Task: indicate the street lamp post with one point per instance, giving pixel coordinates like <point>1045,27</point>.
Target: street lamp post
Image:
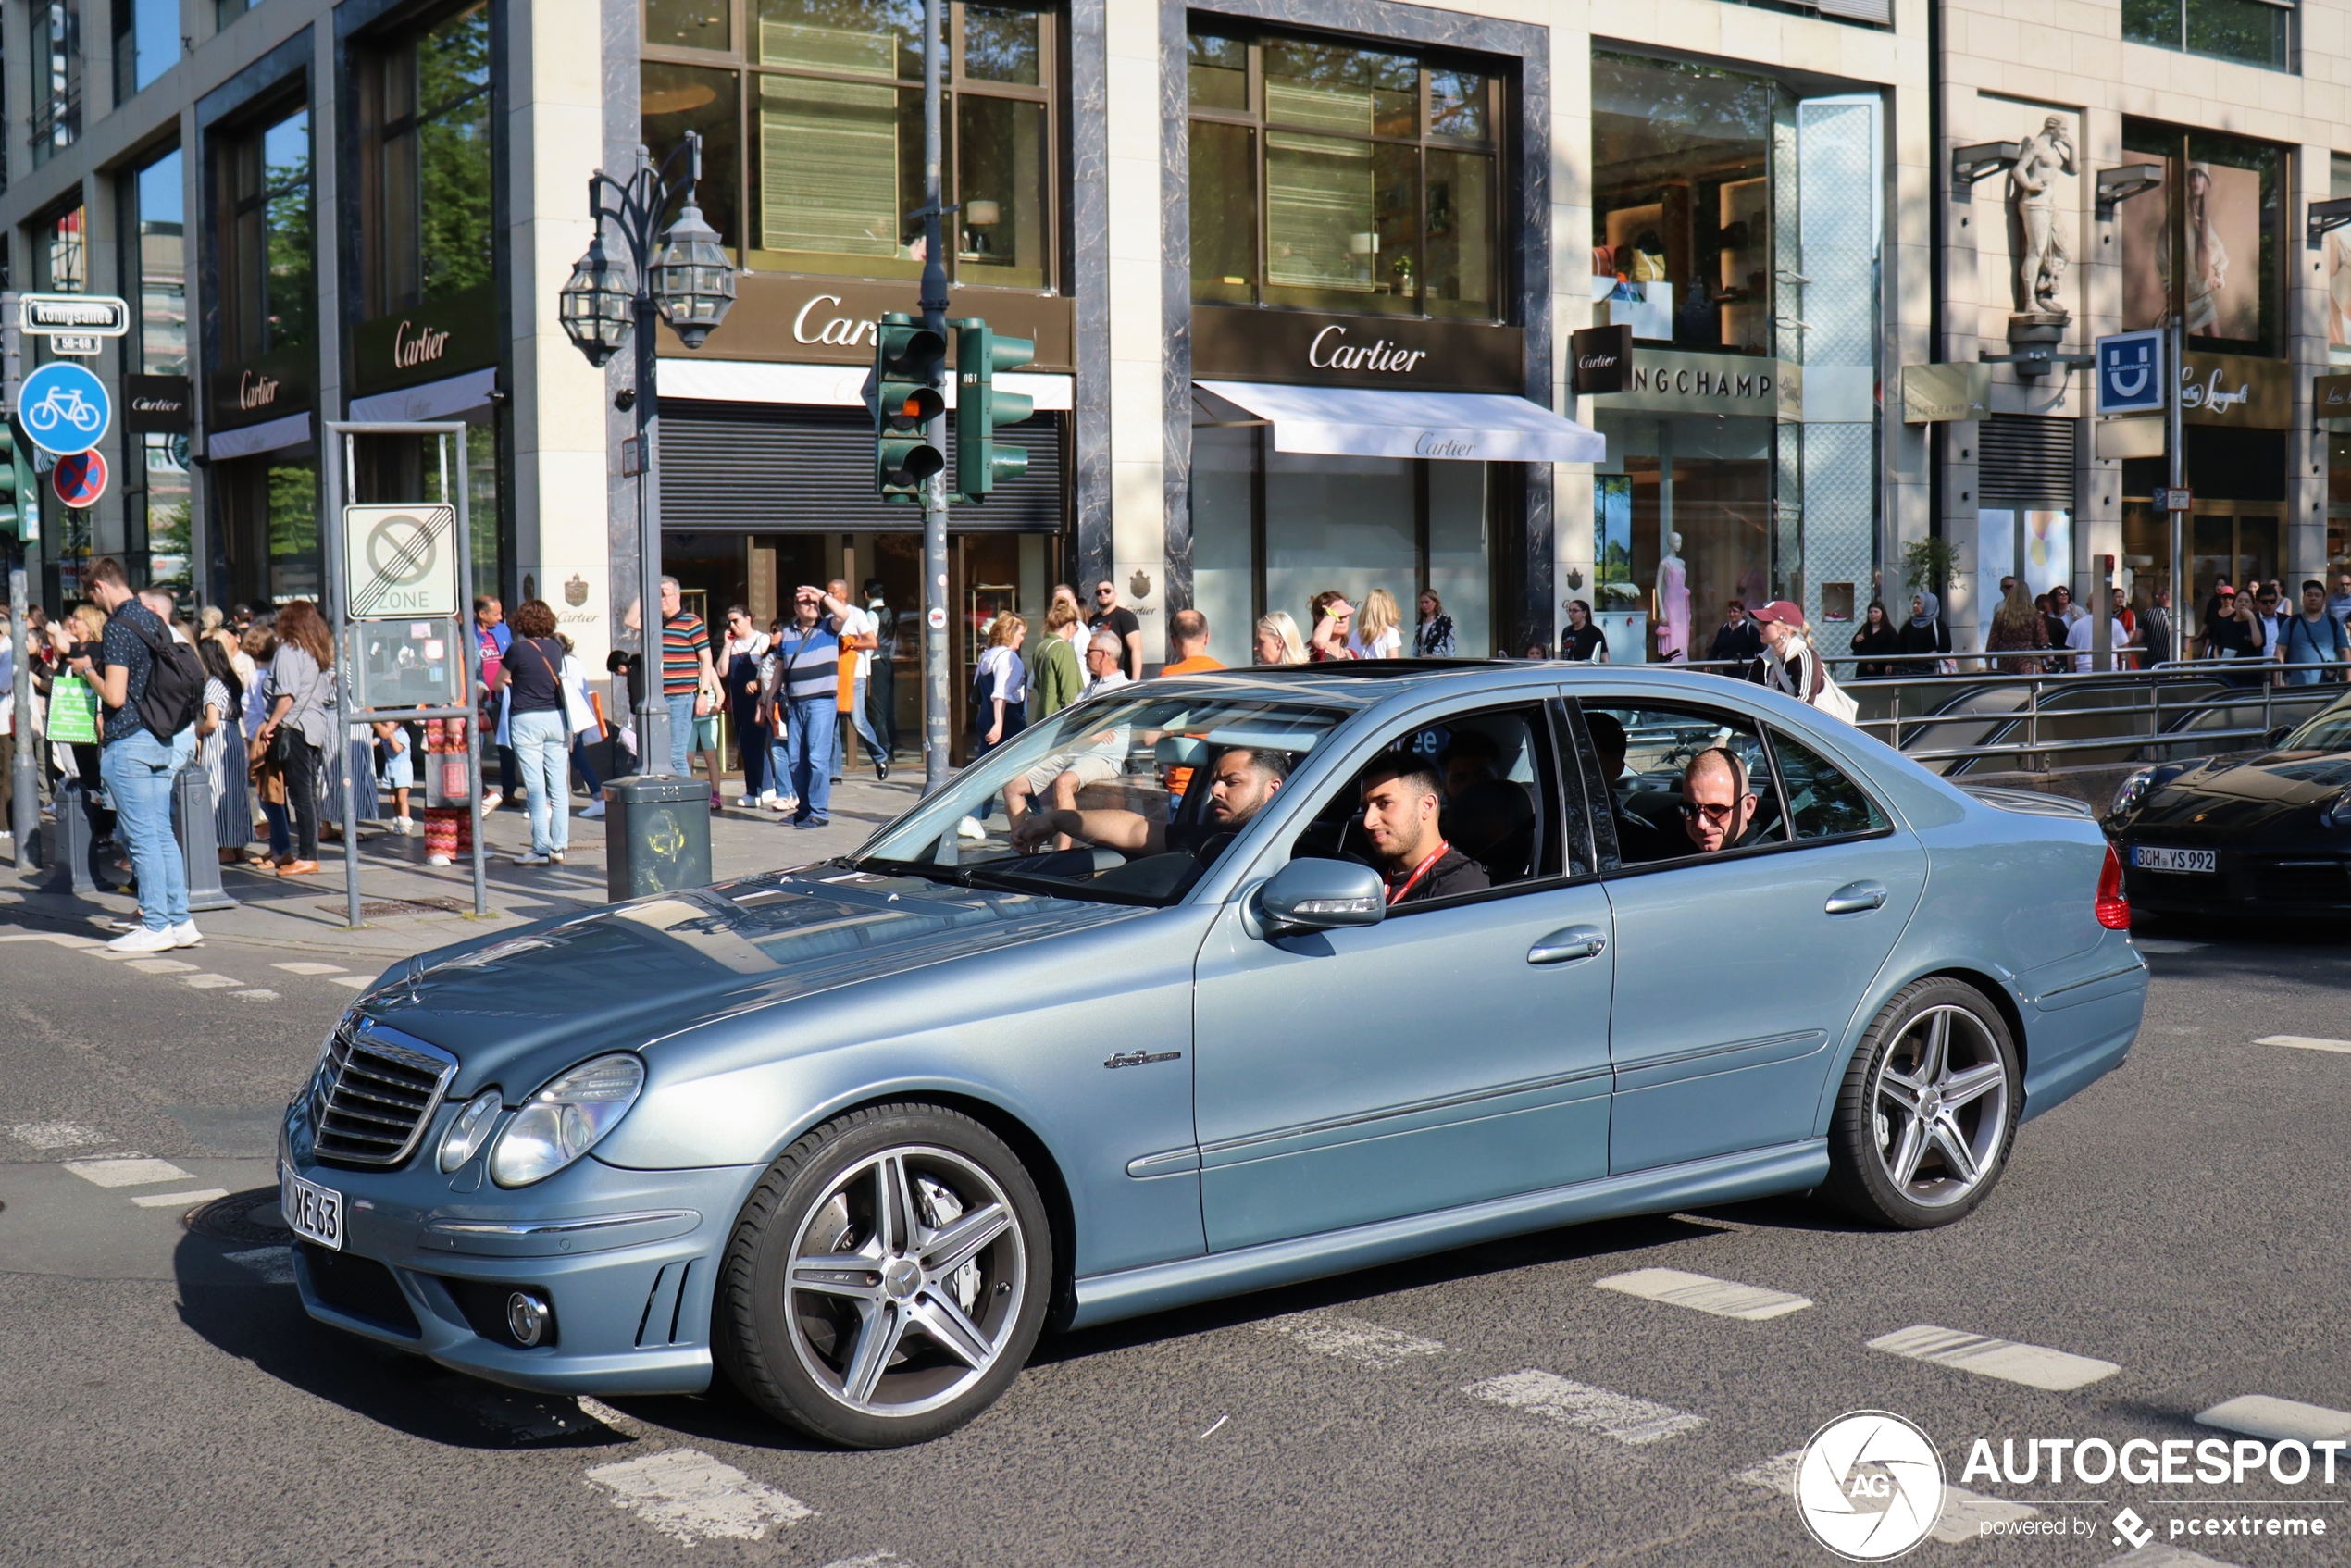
<point>684,275</point>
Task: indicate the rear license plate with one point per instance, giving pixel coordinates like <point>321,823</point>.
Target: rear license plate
<point>2148,858</point>
<point>312,1212</point>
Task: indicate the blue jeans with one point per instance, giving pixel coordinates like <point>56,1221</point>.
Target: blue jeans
<point>681,732</point>
<point>139,771</point>
<point>541,744</point>
<point>865,726</point>
<point>808,754</point>
<point>752,741</point>
<point>779,765</point>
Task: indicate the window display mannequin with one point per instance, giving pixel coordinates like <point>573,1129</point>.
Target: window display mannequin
<point>1670,602</point>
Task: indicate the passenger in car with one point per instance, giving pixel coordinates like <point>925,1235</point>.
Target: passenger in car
<point>1637,841</point>
<point>1241,781</point>
<point>1717,806</point>
<point>1402,795</point>
<point>1470,757</point>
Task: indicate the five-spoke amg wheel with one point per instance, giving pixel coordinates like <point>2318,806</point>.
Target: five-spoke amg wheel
<point>1928,1107</point>
<point>886,1279</point>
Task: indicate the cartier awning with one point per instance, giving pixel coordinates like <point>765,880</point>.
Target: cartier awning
<point>1462,426</point>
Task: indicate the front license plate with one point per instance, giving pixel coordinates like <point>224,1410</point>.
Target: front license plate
<point>2148,858</point>
<point>313,1213</point>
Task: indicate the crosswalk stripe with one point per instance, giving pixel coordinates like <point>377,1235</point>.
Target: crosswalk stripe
<point>2260,1416</point>
<point>58,937</point>
<point>1352,1338</point>
<point>1699,1292</point>
<point>1960,1519</point>
<point>688,1495</point>
<point>131,1172</point>
<point>168,1199</point>
<point>2306,1042</point>
<point>161,966</point>
<point>256,994</point>
<point>357,982</point>
<point>1629,1421</point>
<point>2032,1365</point>
<point>57,1135</point>
<point>310,968</point>
<point>209,982</point>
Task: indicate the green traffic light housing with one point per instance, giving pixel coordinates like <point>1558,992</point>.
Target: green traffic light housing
<point>16,483</point>
<point>909,364</point>
<point>981,461</point>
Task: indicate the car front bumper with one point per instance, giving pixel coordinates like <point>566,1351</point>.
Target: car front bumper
<point>624,1261</point>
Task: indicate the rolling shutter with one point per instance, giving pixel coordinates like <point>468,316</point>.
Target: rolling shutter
<point>762,467</point>
<point>2026,460</point>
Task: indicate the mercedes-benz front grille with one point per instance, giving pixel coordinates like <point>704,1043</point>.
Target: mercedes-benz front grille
<point>373,1095</point>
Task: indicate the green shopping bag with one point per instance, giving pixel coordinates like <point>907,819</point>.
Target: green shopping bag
<point>73,712</point>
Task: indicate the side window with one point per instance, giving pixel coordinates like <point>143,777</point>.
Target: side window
<point>1491,781</point>
<point>1682,782</point>
<point>1822,801</point>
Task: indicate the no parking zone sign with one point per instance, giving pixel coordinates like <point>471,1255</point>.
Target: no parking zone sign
<point>79,479</point>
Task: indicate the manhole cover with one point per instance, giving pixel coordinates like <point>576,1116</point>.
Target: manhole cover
<point>386,909</point>
<point>249,1217</point>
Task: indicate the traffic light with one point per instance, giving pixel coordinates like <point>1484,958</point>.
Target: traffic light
<point>20,502</point>
<point>981,462</point>
<point>909,361</point>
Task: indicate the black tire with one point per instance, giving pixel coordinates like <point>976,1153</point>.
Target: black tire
<point>1962,1145</point>
<point>794,1352</point>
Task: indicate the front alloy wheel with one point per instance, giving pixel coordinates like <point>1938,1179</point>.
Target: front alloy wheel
<point>887,1277</point>
<point>1927,1112</point>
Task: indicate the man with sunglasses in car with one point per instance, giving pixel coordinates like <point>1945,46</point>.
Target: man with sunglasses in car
<point>1718,807</point>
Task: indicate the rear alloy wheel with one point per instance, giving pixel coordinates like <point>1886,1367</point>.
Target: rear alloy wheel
<point>1928,1108</point>
<point>886,1279</point>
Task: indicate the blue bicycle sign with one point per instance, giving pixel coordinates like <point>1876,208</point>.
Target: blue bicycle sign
<point>64,409</point>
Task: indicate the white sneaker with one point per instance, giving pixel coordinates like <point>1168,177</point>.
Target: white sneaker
<point>748,803</point>
<point>530,858</point>
<point>766,798</point>
<point>185,933</point>
<point>436,860</point>
<point>594,810</point>
<point>784,803</point>
<point>555,857</point>
<point>490,800</point>
<point>404,826</point>
<point>969,828</point>
<point>143,940</point>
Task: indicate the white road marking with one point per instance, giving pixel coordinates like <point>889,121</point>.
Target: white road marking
<point>1777,1474</point>
<point>256,994</point>
<point>59,937</point>
<point>2165,944</point>
<point>127,1172</point>
<point>596,1410</point>
<point>1211,1431</point>
<point>2031,1364</point>
<point>2306,1042</point>
<point>274,1264</point>
<point>56,1135</point>
<point>209,982</point>
<point>688,1495</point>
<point>161,966</point>
<point>1351,1338</point>
<point>1965,1512</point>
<point>1620,1416</point>
<point>2261,1416</point>
<point>871,1559</point>
<point>1699,1292</point>
<point>167,1199</point>
<point>310,968</point>
<point>357,982</point>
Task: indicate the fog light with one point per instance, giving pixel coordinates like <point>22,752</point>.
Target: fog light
<point>526,1316</point>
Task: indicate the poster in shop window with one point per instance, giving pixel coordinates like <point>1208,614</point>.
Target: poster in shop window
<point>2224,255</point>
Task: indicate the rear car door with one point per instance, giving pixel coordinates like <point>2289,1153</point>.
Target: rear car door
<point>1737,972</point>
<point>1456,1051</point>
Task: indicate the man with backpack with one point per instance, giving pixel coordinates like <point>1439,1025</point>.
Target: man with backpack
<point>149,687</point>
<point>2312,642</point>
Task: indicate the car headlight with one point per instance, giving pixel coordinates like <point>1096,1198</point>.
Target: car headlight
<point>2338,814</point>
<point>562,1121</point>
<point>2134,790</point>
<point>471,1130</point>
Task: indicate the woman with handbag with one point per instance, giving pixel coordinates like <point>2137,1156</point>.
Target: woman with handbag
<point>301,723</point>
<point>539,729</point>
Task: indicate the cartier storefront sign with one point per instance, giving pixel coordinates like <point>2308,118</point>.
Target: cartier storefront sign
<point>787,319</point>
<point>1242,343</point>
<point>428,343</point>
<point>259,390</point>
<point>1602,361</point>
<point>155,405</point>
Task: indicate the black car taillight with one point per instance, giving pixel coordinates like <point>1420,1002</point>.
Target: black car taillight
<point>2114,909</point>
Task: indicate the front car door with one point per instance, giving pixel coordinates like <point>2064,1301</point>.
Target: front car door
<point>1737,972</point>
<point>1457,1050</point>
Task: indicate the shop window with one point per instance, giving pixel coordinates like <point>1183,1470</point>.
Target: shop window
<point>1681,203</point>
<point>54,54</point>
<point>1378,168</point>
<point>2226,224</point>
<point>150,206</point>
<point>812,129</point>
<point>425,113</point>
<point>268,241</point>
<point>1682,524</point>
<point>2254,33</point>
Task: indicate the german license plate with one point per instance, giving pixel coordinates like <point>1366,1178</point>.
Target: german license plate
<point>312,1212</point>
<point>2146,857</point>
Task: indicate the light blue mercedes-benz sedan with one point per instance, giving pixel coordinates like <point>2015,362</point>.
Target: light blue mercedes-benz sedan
<point>1206,984</point>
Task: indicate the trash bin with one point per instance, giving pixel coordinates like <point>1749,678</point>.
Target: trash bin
<point>657,835</point>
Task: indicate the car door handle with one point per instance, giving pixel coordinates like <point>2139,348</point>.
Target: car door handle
<point>1857,898</point>
<point>1566,947</point>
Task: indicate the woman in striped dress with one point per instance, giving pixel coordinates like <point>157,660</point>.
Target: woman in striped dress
<point>222,748</point>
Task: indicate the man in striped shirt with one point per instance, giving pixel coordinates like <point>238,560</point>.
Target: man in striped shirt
<point>803,704</point>
<point>686,671</point>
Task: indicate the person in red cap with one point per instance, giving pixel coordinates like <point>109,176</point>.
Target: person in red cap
<point>1790,664</point>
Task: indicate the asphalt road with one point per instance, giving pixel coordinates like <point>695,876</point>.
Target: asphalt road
<point>165,1399</point>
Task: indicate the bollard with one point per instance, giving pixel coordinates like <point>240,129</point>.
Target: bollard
<point>70,850</point>
<point>199,846</point>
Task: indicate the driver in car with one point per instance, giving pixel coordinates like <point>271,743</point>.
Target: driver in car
<point>1241,781</point>
<point>1717,806</point>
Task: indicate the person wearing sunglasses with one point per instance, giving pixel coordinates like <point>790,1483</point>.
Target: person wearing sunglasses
<point>1717,805</point>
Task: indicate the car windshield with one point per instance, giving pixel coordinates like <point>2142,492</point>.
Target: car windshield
<point>1127,798</point>
<point>2329,729</point>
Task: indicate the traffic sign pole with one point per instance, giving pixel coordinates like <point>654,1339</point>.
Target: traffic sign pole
<point>25,798</point>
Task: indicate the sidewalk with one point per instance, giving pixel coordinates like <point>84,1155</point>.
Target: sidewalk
<point>407,906</point>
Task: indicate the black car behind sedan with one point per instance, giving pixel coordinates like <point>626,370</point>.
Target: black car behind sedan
<point>2262,835</point>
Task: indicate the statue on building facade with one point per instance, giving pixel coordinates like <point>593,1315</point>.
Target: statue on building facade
<point>2037,237</point>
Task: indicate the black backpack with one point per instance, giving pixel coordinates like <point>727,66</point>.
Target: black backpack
<point>174,696</point>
